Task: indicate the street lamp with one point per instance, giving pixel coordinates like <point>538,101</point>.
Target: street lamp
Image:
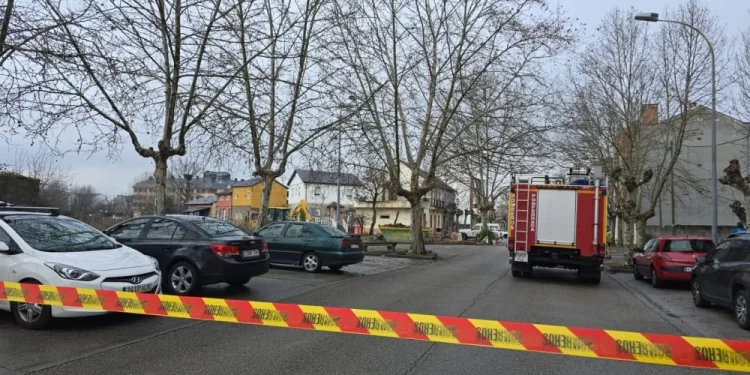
<point>654,17</point>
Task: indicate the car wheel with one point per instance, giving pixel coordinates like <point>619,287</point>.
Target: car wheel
<point>655,280</point>
<point>239,282</point>
<point>698,299</point>
<point>31,315</point>
<point>335,268</point>
<point>637,275</point>
<point>740,309</point>
<point>311,262</point>
<point>182,279</point>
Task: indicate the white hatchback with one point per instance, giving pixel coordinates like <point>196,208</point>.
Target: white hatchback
<point>41,247</point>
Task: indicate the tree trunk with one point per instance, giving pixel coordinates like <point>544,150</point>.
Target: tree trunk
<point>160,193</point>
<point>417,241</point>
<point>374,214</point>
<point>627,234</point>
<point>485,217</point>
<point>265,199</point>
<point>642,235</point>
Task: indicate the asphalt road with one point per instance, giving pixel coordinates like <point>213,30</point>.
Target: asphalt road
<point>469,281</point>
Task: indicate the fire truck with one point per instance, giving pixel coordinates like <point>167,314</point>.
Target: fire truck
<point>558,222</point>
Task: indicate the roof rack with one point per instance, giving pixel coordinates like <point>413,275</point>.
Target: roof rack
<point>7,206</point>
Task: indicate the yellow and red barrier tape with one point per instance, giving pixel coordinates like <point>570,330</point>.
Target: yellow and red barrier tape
<point>581,342</point>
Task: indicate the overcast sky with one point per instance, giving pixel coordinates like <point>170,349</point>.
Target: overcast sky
<point>115,176</point>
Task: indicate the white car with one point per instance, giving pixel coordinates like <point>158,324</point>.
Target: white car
<point>39,247</point>
<point>471,233</point>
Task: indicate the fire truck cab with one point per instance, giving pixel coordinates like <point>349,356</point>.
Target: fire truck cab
<point>558,222</point>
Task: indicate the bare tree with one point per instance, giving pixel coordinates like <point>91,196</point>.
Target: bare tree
<point>743,73</point>
<point>374,186</point>
<point>502,119</point>
<point>281,101</point>
<point>429,56</point>
<point>83,200</point>
<point>134,72</point>
<point>54,178</point>
<point>182,174</point>
<point>625,82</point>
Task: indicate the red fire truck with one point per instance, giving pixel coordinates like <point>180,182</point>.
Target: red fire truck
<point>558,223</point>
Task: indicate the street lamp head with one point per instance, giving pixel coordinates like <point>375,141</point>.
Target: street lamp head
<point>648,17</point>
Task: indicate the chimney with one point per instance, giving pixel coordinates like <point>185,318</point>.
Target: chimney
<point>649,114</point>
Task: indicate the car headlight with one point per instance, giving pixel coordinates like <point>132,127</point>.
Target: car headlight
<point>156,264</point>
<point>72,273</point>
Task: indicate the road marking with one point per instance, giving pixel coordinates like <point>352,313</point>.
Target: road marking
<point>671,350</point>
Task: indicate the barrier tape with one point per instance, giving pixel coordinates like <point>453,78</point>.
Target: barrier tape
<point>580,342</point>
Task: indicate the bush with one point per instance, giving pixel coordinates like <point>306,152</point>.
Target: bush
<point>485,235</point>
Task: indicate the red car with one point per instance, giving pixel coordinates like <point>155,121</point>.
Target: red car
<point>669,258</point>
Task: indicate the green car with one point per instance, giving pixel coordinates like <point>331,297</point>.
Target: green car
<point>311,245</point>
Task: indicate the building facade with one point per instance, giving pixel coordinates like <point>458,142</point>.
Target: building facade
<point>684,205</point>
<point>178,189</point>
<point>319,190</point>
<point>438,207</point>
<point>246,198</point>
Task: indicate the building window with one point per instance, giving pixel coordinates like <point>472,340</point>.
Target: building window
<point>385,216</point>
<point>317,190</point>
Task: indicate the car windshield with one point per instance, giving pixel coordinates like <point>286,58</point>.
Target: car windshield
<point>332,231</point>
<point>59,234</point>
<point>690,246</point>
<point>217,228</point>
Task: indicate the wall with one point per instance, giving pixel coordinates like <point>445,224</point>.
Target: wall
<point>250,196</point>
<point>327,193</point>
<point>692,200</point>
<point>18,189</point>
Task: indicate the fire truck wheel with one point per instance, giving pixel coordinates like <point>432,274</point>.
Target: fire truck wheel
<point>529,272</point>
<point>516,273</point>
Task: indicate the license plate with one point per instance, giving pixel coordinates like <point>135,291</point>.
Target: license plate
<point>688,269</point>
<point>250,253</point>
<point>521,256</point>
<point>138,288</point>
<point>355,247</point>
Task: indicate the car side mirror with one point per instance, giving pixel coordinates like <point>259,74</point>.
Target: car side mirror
<point>4,248</point>
<point>700,260</point>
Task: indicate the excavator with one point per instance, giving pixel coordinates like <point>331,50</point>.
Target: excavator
<point>300,212</point>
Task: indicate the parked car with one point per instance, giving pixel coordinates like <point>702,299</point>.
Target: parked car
<point>195,250</point>
<point>669,258</point>
<point>474,231</point>
<point>722,278</point>
<point>311,245</point>
<point>38,246</point>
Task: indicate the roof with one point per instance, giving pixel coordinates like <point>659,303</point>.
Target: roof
<point>196,182</point>
<point>325,178</point>
<point>225,192</point>
<point>440,184</point>
<point>247,183</point>
<point>202,201</point>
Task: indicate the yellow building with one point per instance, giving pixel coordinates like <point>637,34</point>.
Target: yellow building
<point>247,195</point>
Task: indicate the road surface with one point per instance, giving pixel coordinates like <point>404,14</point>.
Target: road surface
<point>468,281</point>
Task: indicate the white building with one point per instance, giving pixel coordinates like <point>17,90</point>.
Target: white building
<point>319,190</point>
<point>438,206</point>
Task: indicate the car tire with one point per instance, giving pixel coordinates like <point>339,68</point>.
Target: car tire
<point>182,279</point>
<point>335,268</point>
<point>740,309</point>
<point>311,262</point>
<point>31,315</point>
<point>655,280</point>
<point>239,282</point>
<point>698,299</point>
<point>636,275</point>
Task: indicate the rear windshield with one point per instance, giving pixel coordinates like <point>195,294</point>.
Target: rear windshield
<point>217,228</point>
<point>689,246</point>
<point>332,231</point>
<point>59,234</point>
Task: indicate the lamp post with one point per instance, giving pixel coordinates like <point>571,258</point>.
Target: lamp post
<point>654,17</point>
